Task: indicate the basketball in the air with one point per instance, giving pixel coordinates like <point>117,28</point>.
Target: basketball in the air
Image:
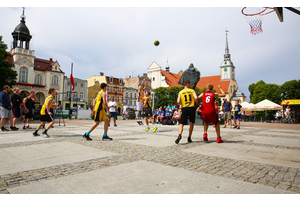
<point>156,42</point>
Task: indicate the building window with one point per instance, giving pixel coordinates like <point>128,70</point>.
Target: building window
<point>116,89</point>
<point>75,95</point>
<point>120,99</point>
<point>111,79</point>
<point>81,95</point>
<point>120,90</point>
<point>38,79</point>
<point>69,83</point>
<point>120,81</point>
<point>90,103</point>
<point>23,74</point>
<point>68,94</point>
<point>153,78</point>
<point>38,96</point>
<point>81,85</point>
<point>75,84</point>
<point>130,95</point>
<point>126,94</point>
<point>110,89</point>
<point>55,67</point>
<point>225,76</point>
<point>54,80</point>
<point>134,95</point>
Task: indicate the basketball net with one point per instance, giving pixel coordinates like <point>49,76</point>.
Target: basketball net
<point>255,16</point>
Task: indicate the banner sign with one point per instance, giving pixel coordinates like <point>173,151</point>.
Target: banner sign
<point>290,101</point>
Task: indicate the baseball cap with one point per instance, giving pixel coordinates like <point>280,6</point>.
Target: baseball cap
<point>224,98</point>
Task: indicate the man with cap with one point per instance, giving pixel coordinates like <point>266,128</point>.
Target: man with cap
<point>227,112</point>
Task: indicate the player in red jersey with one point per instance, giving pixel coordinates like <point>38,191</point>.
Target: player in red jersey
<point>208,110</point>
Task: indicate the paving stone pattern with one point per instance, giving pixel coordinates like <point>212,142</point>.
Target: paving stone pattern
<point>286,178</point>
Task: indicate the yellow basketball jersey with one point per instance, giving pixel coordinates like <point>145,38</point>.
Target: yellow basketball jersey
<point>99,102</point>
<point>43,109</point>
<point>148,104</point>
<point>187,98</point>
<point>140,96</point>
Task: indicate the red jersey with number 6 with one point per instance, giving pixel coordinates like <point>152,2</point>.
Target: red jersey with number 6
<point>208,111</point>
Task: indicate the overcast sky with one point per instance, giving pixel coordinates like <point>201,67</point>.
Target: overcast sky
<point>119,40</point>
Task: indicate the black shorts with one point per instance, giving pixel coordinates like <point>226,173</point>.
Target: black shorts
<point>187,113</point>
<point>148,112</point>
<point>46,118</point>
<point>16,111</point>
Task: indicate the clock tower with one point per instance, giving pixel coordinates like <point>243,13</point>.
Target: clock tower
<point>227,68</point>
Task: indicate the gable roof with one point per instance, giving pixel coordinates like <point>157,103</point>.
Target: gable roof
<point>115,81</point>
<point>215,80</point>
<point>172,80</point>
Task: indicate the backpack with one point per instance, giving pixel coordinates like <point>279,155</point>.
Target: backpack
<point>170,122</point>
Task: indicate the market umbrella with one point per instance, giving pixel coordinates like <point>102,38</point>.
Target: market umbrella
<point>247,106</point>
<point>266,105</point>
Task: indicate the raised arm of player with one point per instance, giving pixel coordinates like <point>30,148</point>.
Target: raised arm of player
<point>222,92</point>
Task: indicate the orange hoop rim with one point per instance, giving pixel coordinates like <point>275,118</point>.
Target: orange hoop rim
<point>259,13</point>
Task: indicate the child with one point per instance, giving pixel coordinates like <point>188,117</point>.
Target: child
<point>175,117</point>
<point>46,115</point>
<point>99,113</point>
<point>148,112</point>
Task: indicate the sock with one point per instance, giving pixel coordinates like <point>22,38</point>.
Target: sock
<point>105,134</point>
<point>24,124</point>
<point>27,124</point>
<point>154,125</point>
<point>87,133</point>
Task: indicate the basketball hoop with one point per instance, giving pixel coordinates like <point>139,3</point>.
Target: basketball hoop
<point>254,17</point>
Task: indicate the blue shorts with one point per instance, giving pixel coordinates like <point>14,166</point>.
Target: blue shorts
<point>238,117</point>
<point>113,114</point>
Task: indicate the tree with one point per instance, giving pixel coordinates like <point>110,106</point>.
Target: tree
<point>290,89</point>
<point>5,67</point>
<point>260,91</point>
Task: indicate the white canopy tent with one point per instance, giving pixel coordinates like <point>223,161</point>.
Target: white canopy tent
<point>266,105</point>
<point>247,106</point>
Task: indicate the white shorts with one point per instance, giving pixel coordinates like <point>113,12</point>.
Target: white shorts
<point>6,113</point>
<point>139,106</point>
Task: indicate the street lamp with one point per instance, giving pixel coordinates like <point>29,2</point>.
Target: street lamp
<point>8,80</point>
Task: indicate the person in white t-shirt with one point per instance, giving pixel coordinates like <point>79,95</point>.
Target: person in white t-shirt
<point>124,113</point>
<point>112,105</point>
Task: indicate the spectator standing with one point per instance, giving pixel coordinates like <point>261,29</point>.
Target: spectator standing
<point>227,107</point>
<point>16,101</point>
<point>112,105</point>
<point>6,109</point>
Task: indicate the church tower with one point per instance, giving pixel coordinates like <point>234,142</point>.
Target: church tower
<point>227,67</point>
<point>21,34</point>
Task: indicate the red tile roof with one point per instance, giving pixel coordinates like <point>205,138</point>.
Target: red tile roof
<point>172,80</point>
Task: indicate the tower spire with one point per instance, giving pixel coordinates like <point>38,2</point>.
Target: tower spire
<point>167,67</point>
<point>226,46</point>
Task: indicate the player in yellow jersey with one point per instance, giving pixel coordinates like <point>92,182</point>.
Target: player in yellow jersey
<point>46,115</point>
<point>139,101</point>
<point>148,112</point>
<point>99,113</point>
<point>187,99</point>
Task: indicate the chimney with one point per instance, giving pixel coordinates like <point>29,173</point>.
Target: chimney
<point>101,74</point>
<point>50,59</point>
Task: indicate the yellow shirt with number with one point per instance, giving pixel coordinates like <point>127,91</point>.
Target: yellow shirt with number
<point>140,96</point>
<point>43,109</point>
<point>148,104</point>
<point>187,98</point>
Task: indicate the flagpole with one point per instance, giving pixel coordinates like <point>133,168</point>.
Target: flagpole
<point>70,91</point>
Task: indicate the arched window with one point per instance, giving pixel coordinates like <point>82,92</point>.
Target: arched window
<point>225,76</point>
<point>38,79</point>
<point>23,75</point>
<point>54,80</point>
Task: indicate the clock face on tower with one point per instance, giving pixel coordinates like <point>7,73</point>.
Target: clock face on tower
<point>225,70</point>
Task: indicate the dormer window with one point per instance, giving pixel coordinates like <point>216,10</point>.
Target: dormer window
<point>120,81</point>
<point>55,67</point>
<point>111,79</point>
<point>38,66</point>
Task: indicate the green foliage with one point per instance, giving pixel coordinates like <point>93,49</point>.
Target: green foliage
<point>5,67</point>
<point>260,91</point>
<point>290,89</point>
